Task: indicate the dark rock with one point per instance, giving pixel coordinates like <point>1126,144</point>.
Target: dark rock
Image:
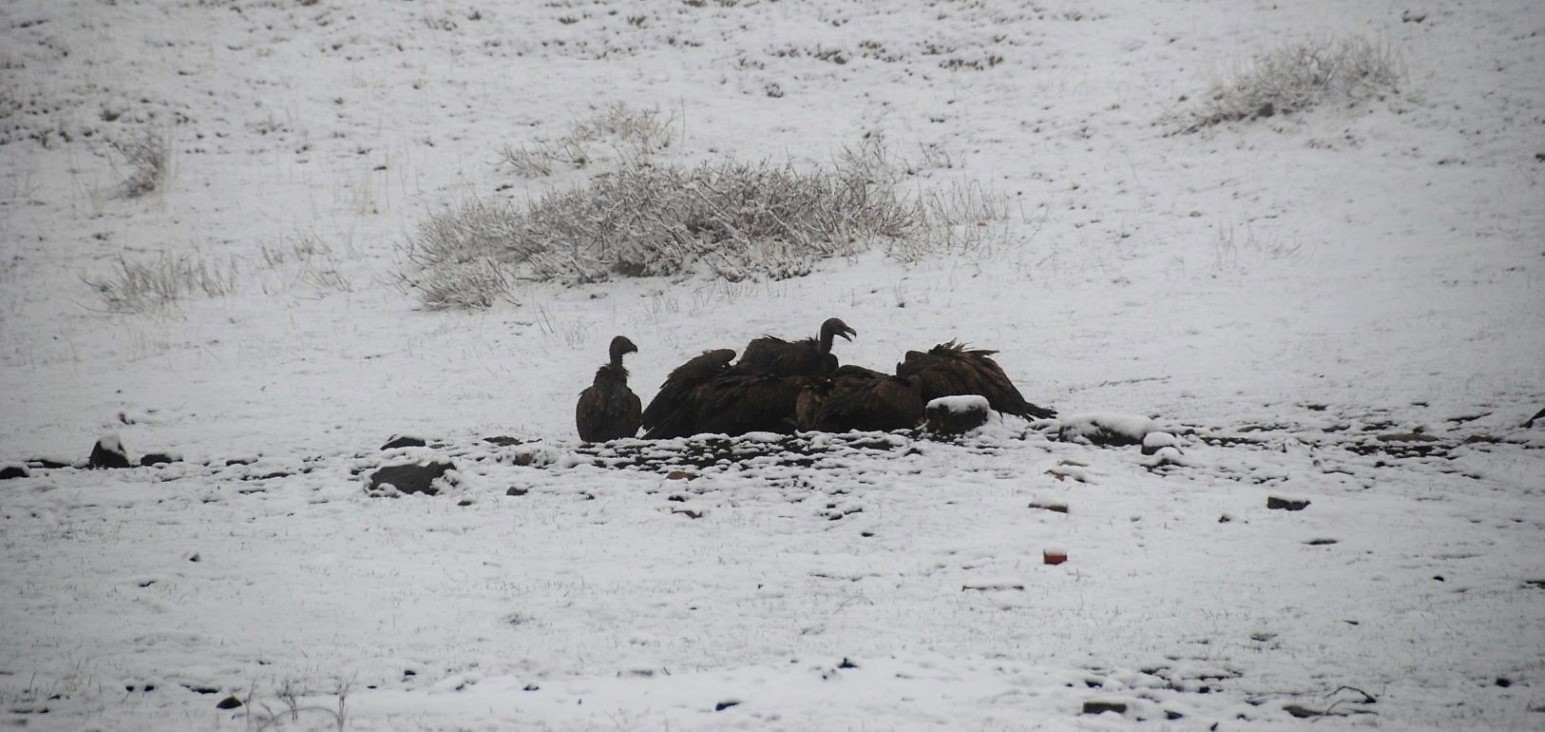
<point>1107,430</point>
<point>1286,504</point>
<point>49,463</point>
<point>13,471</point>
<point>158,458</point>
<point>1101,707</point>
<point>109,453</point>
<point>503,441</point>
<point>1322,542</point>
<point>411,478</point>
<point>517,491</point>
<point>847,664</point>
<point>403,441</point>
<point>229,702</point>
<point>1301,712</point>
<point>955,415</point>
<point>1053,507</point>
<point>726,704</point>
<point>1540,415</point>
<point>1406,437</point>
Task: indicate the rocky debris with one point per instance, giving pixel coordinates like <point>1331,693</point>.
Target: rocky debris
<point>8,472</point>
<point>109,453</point>
<point>158,458</point>
<point>1105,430</point>
<point>1049,506</point>
<point>1100,707</point>
<point>1538,417</point>
<point>955,415</point>
<point>404,441</point>
<point>1153,442</point>
<point>1286,504</point>
<point>410,478</point>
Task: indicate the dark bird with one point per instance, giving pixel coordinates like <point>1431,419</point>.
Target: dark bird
<point>674,410</point>
<point>608,409</point>
<point>950,369</point>
<point>808,357</point>
<point>856,398</point>
<point>736,403</point>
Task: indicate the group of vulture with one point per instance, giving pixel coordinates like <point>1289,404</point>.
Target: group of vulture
<point>783,386</point>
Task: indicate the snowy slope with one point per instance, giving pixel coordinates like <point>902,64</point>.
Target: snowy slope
<point>1342,306</point>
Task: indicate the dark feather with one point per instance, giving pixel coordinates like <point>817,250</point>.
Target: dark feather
<point>808,357</point>
<point>856,398</point>
<point>674,410</point>
<point>608,409</point>
<point>950,369</point>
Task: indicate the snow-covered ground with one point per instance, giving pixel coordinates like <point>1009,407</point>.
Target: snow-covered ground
<point>1343,306</point>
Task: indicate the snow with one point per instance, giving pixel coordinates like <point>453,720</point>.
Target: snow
<point>1289,299</point>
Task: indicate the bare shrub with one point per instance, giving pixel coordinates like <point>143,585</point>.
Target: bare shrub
<point>737,220</point>
<point>148,157</point>
<point>1299,76</point>
<point>151,286</point>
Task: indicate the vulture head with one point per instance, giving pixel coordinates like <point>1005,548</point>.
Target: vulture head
<point>832,328</point>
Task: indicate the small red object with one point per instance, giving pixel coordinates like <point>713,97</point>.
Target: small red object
<point>1052,557</point>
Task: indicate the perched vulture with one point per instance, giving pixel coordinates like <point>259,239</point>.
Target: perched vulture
<point>673,412</point>
<point>856,398</point>
<point>949,369</point>
<point>608,409</point>
<point>808,357</point>
<point>735,404</point>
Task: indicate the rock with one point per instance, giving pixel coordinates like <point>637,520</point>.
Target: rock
<point>1538,416</point>
<point>1106,430</point>
<point>410,478</point>
<point>14,471</point>
<point>158,458</point>
<point>403,441</point>
<point>1101,707</point>
<point>1156,441</point>
<point>1286,504</point>
<point>1301,712</point>
<point>517,491</point>
<point>229,702</point>
<point>956,415</point>
<point>109,453</point>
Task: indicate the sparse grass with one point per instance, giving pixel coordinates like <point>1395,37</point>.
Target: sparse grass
<point>1299,76</point>
<point>155,285</point>
<point>618,133</point>
<point>149,160</point>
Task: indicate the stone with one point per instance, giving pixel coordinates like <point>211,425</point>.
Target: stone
<point>955,415</point>
<point>403,441</point>
<point>1286,504</point>
<point>411,478</point>
<point>158,458</point>
<point>1101,707</point>
<point>13,471</point>
<point>109,453</point>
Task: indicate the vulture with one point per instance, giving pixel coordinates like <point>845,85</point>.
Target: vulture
<point>673,411</point>
<point>808,357</point>
<point>950,369</point>
<point>607,408</point>
<point>856,398</point>
<point>758,393</point>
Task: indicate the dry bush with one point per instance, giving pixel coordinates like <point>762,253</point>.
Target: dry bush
<point>1299,76</point>
<point>737,220</point>
<point>148,157</point>
<point>618,132</point>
